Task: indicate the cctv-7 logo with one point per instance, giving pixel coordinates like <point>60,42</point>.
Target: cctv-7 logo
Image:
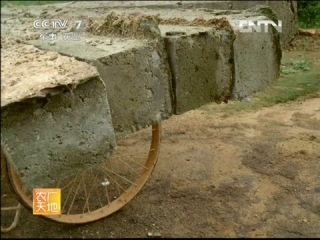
<point>78,23</point>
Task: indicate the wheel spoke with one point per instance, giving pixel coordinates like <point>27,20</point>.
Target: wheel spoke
<point>74,197</point>
<point>103,189</point>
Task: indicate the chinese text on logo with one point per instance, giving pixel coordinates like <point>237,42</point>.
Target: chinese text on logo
<point>46,201</point>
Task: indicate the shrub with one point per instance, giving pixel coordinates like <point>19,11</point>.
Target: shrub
<point>309,14</point>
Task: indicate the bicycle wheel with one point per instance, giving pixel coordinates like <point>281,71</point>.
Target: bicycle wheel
<point>8,212</point>
<point>104,188</point>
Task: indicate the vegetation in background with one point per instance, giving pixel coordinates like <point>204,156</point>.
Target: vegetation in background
<point>300,78</point>
<point>309,14</point>
<point>288,88</point>
<point>293,66</point>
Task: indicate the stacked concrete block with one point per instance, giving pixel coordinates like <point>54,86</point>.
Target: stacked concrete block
<point>252,59</point>
<point>201,61</point>
<point>140,91</point>
<point>55,117</point>
<point>237,64</point>
<point>257,59</point>
<point>285,11</point>
<point>133,65</point>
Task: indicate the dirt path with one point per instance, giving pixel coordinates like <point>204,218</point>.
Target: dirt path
<point>230,175</point>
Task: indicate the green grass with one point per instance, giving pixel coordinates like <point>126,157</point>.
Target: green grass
<point>292,87</point>
<point>289,87</point>
<point>309,14</point>
<point>294,66</point>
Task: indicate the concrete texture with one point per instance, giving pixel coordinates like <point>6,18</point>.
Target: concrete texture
<point>55,117</point>
<point>136,72</point>
<point>256,66</point>
<point>236,64</point>
<point>146,64</point>
<point>285,11</point>
<point>201,62</point>
<point>139,88</point>
<point>97,25</point>
<point>28,72</point>
<point>55,137</point>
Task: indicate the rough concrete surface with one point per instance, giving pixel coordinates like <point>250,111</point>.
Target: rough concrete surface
<point>201,62</point>
<point>136,74</point>
<point>285,10</point>
<point>137,53</point>
<point>178,16</point>
<point>51,138</point>
<point>256,65</point>
<point>22,78</point>
<point>55,114</point>
<point>220,174</point>
<point>238,51</point>
<point>137,80</point>
<point>139,84</point>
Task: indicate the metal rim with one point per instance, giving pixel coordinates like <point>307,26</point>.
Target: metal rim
<point>106,210</point>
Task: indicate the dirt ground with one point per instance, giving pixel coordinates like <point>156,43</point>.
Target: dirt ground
<point>221,174</point>
<point>238,175</point>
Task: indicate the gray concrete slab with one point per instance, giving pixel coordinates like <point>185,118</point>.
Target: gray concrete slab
<point>135,72</point>
<point>52,128</point>
<point>285,10</point>
<point>255,56</point>
<point>166,16</point>
<point>201,62</point>
<point>143,65</point>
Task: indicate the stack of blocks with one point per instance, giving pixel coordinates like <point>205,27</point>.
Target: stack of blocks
<point>141,71</point>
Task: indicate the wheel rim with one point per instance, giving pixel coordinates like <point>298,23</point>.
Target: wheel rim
<point>114,200</point>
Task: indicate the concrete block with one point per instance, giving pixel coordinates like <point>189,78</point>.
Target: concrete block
<point>165,13</point>
<point>140,88</point>
<point>255,56</point>
<point>60,123</point>
<point>144,63</point>
<point>257,59</point>
<point>132,62</point>
<point>201,61</point>
<point>285,11</point>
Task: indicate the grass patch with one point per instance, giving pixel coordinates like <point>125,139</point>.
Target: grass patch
<point>293,66</point>
<point>292,87</point>
<point>308,14</point>
<point>287,88</point>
